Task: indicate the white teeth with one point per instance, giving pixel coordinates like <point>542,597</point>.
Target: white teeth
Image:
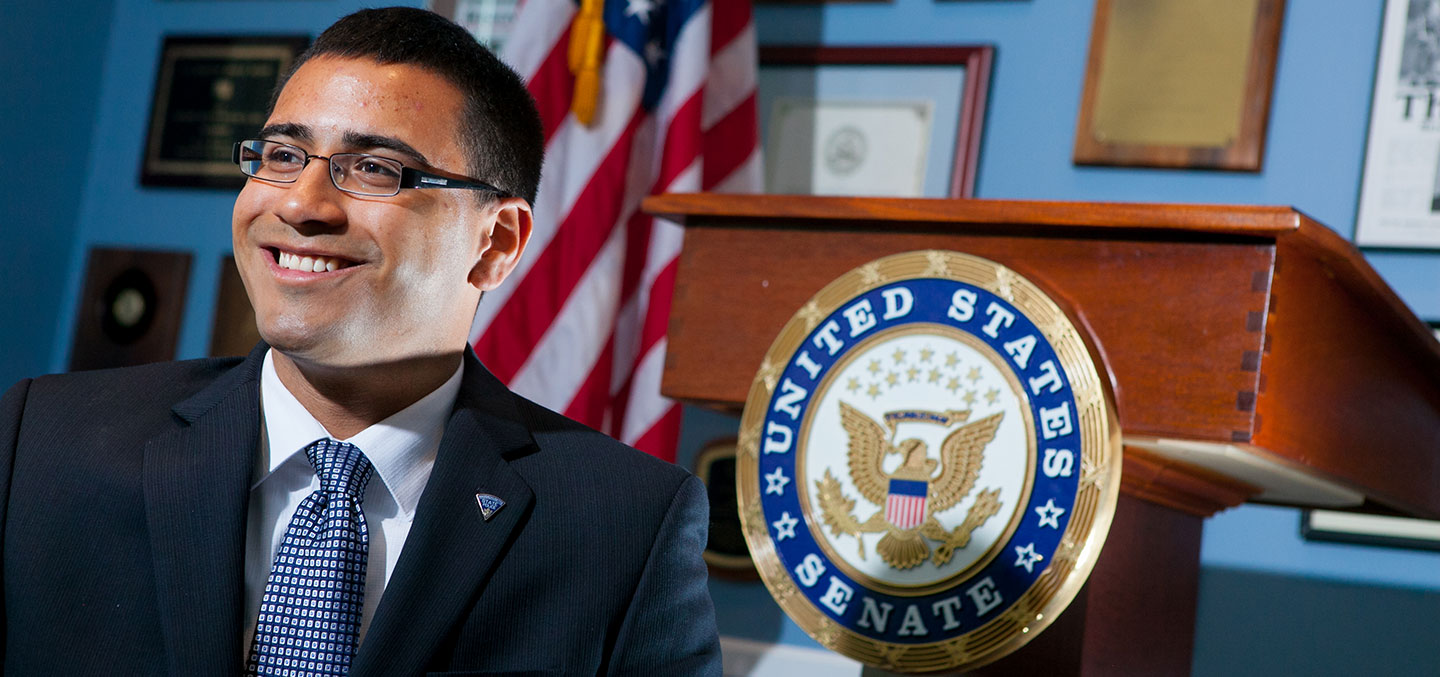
<point>309,264</point>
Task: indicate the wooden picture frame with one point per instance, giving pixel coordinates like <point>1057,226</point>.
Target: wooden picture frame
<point>130,308</point>
<point>233,334</point>
<point>1155,101</point>
<point>970,65</point>
<point>210,91</point>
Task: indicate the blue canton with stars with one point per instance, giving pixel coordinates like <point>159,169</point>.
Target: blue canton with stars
<point>999,584</point>
<point>650,28</point>
<point>310,614</point>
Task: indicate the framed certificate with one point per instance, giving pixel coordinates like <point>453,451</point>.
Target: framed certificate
<point>875,121</point>
<point>209,93</point>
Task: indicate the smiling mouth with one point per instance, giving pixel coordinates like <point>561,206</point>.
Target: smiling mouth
<point>309,263</point>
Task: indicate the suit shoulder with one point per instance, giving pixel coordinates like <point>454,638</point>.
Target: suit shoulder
<point>568,443</point>
<point>127,391</point>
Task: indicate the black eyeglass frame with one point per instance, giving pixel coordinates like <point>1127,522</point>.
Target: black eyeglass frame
<point>410,177</point>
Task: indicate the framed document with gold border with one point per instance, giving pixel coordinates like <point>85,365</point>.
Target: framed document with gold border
<point>1180,84</point>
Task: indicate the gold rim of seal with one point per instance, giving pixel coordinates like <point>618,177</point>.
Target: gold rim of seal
<point>1095,500</point>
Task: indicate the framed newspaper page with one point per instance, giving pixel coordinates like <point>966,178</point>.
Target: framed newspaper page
<point>873,121</point>
<point>1400,187</point>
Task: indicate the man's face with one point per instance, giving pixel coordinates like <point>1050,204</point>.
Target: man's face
<point>407,270</point>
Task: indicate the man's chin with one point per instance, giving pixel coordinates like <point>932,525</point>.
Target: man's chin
<point>306,346</point>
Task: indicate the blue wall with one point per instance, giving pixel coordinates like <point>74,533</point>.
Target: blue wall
<point>78,77</point>
<point>50,63</point>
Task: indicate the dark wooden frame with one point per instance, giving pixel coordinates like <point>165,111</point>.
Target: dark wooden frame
<point>975,59</point>
<point>1242,154</point>
<point>160,278</point>
<point>215,170</point>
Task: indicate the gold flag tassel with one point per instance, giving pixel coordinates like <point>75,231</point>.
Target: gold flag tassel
<point>587,42</point>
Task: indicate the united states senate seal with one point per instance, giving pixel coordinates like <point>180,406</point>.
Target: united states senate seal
<point>929,461</point>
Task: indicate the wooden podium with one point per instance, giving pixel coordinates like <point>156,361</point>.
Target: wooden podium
<point>1255,356</point>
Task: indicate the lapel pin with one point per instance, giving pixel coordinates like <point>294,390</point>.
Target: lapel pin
<point>489,504</point>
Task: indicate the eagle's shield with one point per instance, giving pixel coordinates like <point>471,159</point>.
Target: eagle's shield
<point>905,504</point>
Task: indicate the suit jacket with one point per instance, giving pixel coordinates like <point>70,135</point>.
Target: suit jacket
<point>123,507</point>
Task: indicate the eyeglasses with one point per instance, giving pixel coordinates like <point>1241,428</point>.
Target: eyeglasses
<point>355,173</point>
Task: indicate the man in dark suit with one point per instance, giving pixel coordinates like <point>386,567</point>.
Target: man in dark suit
<point>359,494</point>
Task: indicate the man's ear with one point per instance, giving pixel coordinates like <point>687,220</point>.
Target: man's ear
<point>509,233</point>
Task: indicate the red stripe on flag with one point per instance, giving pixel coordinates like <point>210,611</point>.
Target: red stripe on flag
<point>728,19</point>
<point>682,142</point>
<point>657,318</point>
<point>540,295</point>
<point>655,323</point>
<point>592,399</point>
<point>552,86</point>
<point>730,142</point>
<point>637,249</point>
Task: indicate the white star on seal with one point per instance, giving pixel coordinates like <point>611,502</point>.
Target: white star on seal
<point>641,9</point>
<point>785,526</point>
<point>1027,557</point>
<point>776,481</point>
<point>1049,514</point>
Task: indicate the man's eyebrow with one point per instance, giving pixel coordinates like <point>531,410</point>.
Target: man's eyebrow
<point>293,130</point>
<point>358,140</point>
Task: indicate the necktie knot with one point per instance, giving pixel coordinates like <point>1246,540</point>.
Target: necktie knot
<point>341,467</point>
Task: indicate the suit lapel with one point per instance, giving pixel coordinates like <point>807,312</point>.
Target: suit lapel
<point>197,481</point>
<point>450,549</point>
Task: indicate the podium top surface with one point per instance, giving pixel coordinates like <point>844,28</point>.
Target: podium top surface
<point>1252,329</point>
<point>1240,220</point>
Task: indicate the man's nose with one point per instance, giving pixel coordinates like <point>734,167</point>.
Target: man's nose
<point>313,200</point>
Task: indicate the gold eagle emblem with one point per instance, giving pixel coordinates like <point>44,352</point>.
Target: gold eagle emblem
<point>961,455</point>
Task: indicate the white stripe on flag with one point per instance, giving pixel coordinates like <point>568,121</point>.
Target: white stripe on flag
<point>542,24</point>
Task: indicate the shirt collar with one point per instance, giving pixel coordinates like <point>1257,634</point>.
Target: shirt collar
<point>401,448</point>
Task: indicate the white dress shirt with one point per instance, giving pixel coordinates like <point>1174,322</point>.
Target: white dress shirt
<point>402,450</point>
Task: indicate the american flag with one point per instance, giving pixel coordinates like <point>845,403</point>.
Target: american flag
<point>905,505</point>
<point>580,325</point>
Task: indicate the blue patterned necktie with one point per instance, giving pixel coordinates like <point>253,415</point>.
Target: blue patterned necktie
<point>310,613</point>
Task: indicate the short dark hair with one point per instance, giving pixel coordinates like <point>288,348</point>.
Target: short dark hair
<point>501,127</point>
